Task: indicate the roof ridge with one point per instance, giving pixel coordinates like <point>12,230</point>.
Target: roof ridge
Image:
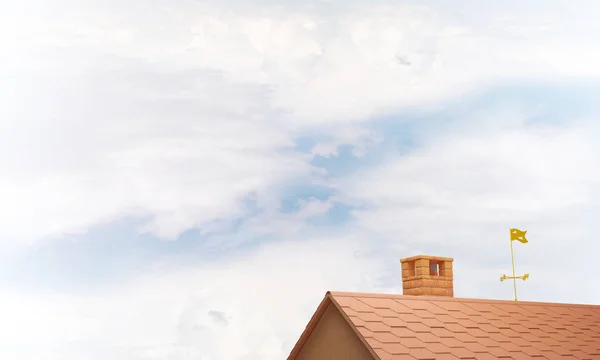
<point>462,300</point>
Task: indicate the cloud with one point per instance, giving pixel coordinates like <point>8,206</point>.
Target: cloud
<point>188,117</point>
<point>361,138</point>
<point>459,194</point>
<point>223,309</point>
<point>132,143</point>
<point>527,170</point>
<point>133,112</point>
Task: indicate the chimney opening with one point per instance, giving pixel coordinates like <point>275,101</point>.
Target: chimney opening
<point>434,268</point>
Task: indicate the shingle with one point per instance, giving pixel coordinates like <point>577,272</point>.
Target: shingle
<point>374,343</point>
<point>403,332</point>
<point>446,357</point>
<point>518,355</point>
<point>499,352</point>
<point>394,321</point>
<point>452,342</point>
<point>413,343</point>
<point>463,353</point>
<point>442,333</point>
<point>438,348</point>
<point>421,328</point>
<point>366,333</point>
<point>369,316</point>
<point>397,349</point>
<point>418,327</point>
<point>433,323</point>
<point>377,326</point>
<point>377,303</point>
<point>476,347</point>
<point>422,354</point>
<point>386,338</point>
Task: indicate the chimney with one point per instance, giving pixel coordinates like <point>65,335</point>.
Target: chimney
<point>427,275</point>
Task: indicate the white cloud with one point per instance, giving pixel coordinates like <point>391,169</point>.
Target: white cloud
<point>271,223</point>
<point>459,195</point>
<point>183,150</point>
<point>266,295</point>
<point>525,172</point>
<point>178,113</point>
<point>361,138</point>
<point>167,314</point>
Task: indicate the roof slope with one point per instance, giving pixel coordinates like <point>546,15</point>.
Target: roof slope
<point>440,328</point>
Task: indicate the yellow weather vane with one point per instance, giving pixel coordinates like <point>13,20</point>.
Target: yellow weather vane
<point>515,234</point>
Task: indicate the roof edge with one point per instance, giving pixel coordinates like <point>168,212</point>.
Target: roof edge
<point>312,323</point>
<point>352,326</point>
<point>314,320</point>
<point>453,299</point>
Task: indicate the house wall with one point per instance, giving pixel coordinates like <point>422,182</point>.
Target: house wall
<point>333,339</point>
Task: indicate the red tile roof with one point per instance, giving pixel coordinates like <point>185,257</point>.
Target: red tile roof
<point>398,327</point>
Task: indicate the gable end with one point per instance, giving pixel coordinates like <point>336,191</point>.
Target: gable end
<point>331,335</point>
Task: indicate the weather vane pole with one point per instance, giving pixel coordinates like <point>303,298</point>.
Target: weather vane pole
<point>515,234</point>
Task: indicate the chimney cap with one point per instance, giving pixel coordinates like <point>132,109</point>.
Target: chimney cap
<point>428,257</point>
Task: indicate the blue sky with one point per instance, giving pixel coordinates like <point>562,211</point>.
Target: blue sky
<point>186,182</point>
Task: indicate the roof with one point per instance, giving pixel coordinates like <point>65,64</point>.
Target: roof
<point>398,327</point>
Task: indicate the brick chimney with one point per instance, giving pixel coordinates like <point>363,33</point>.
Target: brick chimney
<point>427,275</point>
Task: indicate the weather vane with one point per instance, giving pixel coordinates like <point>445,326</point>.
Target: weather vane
<point>515,234</point>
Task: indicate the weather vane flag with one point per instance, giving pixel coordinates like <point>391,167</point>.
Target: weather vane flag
<point>520,236</point>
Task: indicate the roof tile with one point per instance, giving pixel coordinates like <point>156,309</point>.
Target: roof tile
<point>413,343</point>
<point>366,333</point>
<point>418,327</point>
<point>455,328</point>
<point>452,343</point>
<point>433,323</point>
<point>399,308</point>
<point>428,338</point>
<point>422,354</point>
<point>438,348</point>
<point>488,356</point>
<point>551,355</point>
<point>397,349</point>
<point>465,337</point>
<point>499,352</point>
<point>446,357</point>
<point>374,343</point>
<point>463,353</point>
<point>476,347</point>
<point>510,347</point>
<point>403,332</point>
<point>394,321</point>
<point>386,338</point>
<point>369,316</point>
<point>517,355</point>
<point>376,326</point>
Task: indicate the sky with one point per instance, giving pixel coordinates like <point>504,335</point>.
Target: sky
<point>186,179</point>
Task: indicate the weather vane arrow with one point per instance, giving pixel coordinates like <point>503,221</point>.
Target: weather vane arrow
<point>520,236</point>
